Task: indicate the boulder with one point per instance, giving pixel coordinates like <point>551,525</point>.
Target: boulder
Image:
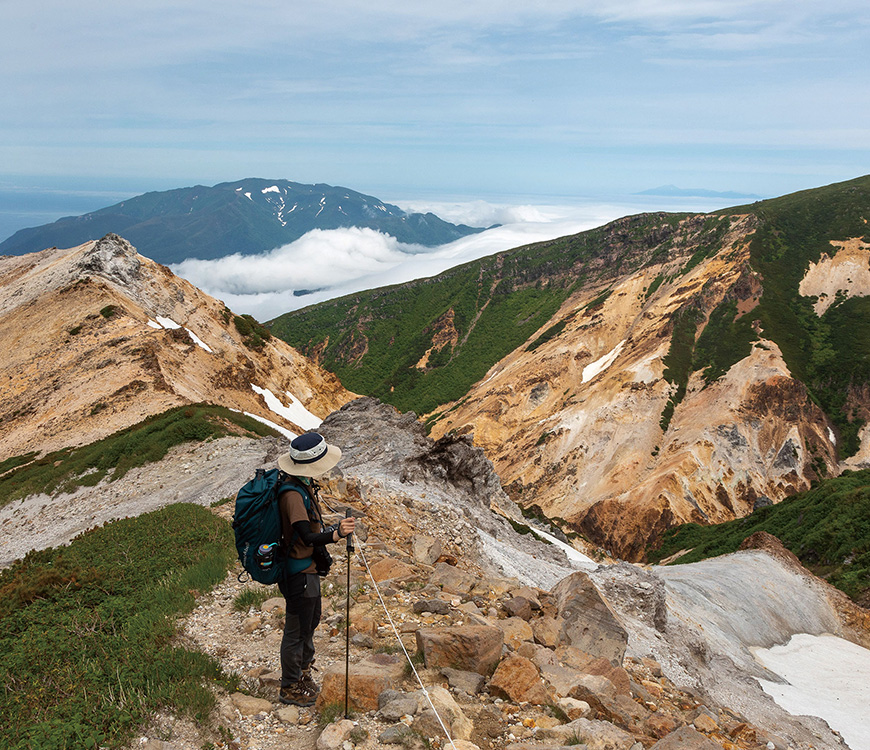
<point>573,708</point>
<point>476,648</point>
<point>435,606</point>
<point>395,709</point>
<point>425,549</point>
<point>686,738</point>
<point>519,606</point>
<point>516,631</point>
<point>389,569</point>
<point>426,722</point>
<point>546,631</point>
<point>588,622</point>
<point>452,580</point>
<point>334,735</point>
<point>248,705</point>
<point>367,680</point>
<point>518,679</point>
<point>467,682</point>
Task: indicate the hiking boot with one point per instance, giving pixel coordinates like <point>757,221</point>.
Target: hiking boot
<point>298,694</point>
<point>307,680</point>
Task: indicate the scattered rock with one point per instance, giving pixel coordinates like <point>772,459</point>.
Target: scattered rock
<point>435,606</point>
<point>470,683</point>
<point>334,735</point>
<point>425,550</point>
<point>517,678</point>
<point>248,705</point>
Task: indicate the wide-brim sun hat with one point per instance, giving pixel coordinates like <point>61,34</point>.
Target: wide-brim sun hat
<point>309,456</point>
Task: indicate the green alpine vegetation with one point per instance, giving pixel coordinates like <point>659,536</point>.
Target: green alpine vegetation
<point>113,456</point>
<point>86,631</point>
<point>374,340</point>
<point>827,527</point>
<point>831,353</point>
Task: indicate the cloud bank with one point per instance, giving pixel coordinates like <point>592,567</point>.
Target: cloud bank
<point>324,264</point>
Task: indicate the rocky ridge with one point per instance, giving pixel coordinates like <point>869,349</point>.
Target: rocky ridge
<point>97,337</point>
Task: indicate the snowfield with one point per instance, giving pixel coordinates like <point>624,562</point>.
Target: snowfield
<point>827,677</point>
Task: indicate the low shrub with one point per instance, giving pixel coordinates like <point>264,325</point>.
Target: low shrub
<point>86,643</point>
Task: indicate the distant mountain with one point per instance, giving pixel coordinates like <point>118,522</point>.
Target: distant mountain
<point>674,192</point>
<point>248,217</point>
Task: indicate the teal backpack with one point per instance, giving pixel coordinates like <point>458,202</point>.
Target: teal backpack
<point>257,526</point>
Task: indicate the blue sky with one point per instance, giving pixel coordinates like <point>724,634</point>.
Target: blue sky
<point>438,99</point>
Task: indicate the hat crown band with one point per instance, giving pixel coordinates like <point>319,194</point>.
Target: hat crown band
<point>308,456</point>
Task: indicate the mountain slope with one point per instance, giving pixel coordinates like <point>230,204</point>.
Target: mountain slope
<point>97,337</point>
<point>249,216</point>
<point>674,368</point>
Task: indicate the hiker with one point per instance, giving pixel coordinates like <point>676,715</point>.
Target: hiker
<point>310,457</point>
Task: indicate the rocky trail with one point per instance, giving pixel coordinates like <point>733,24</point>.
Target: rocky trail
<point>517,646</point>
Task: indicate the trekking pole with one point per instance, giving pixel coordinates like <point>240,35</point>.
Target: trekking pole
<point>347,514</point>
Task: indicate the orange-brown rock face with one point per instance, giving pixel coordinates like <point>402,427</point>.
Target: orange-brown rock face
<point>575,425</point>
<point>90,345</point>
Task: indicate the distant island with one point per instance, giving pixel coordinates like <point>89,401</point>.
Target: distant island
<point>673,191</point>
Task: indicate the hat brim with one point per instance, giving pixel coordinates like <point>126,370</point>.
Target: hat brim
<point>316,468</point>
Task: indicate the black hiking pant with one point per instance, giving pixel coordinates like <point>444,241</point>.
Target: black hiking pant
<point>301,620</point>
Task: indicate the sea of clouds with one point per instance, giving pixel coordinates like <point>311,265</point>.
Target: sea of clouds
<point>324,264</point>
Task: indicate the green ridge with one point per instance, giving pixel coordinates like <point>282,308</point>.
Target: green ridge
<point>113,456</point>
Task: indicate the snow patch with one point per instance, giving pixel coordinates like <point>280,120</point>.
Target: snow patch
<point>832,437</point>
<point>198,341</point>
<point>170,324</point>
<point>155,324</point>
<point>575,556</point>
<point>248,196</point>
<point>273,189</point>
<point>826,676</point>
<point>295,412</point>
<point>601,364</point>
